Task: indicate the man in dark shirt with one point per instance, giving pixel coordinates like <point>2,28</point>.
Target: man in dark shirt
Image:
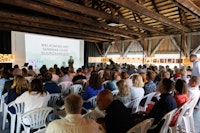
<point>118,118</point>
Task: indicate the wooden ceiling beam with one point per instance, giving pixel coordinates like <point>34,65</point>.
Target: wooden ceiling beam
<point>10,27</point>
<point>94,13</point>
<point>134,6</point>
<point>60,23</point>
<point>39,7</point>
<point>190,5</point>
<point>53,27</point>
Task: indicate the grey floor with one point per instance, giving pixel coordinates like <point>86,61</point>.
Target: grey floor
<point>196,122</point>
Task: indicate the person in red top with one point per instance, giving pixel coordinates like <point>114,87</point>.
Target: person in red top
<point>181,90</point>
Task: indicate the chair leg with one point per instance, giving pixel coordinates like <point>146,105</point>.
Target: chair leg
<point>12,125</point>
<point>18,126</point>
<point>4,118</point>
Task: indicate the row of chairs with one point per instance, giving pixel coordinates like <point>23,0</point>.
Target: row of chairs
<point>34,119</point>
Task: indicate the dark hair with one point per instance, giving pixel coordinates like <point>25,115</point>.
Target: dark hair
<point>181,86</point>
<point>30,67</point>
<point>168,85</point>
<point>95,81</point>
<point>151,75</point>
<point>37,85</point>
<point>47,76</point>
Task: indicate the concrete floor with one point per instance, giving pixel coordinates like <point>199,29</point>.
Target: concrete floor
<point>196,122</point>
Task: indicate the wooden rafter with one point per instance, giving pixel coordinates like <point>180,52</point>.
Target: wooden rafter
<point>130,45</point>
<point>176,45</point>
<point>157,46</point>
<point>134,6</point>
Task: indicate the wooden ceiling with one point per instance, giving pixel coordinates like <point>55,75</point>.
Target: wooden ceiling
<point>87,19</point>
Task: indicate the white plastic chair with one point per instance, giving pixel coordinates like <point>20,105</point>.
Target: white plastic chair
<point>115,92</point>
<point>1,100</point>
<point>19,108</point>
<point>178,126</point>
<point>53,99</point>
<point>34,119</point>
<point>94,114</point>
<point>5,110</point>
<point>188,118</point>
<point>134,105</point>
<point>76,89</point>
<point>64,86</point>
<point>167,119</point>
<point>92,100</point>
<point>142,127</point>
<point>148,98</point>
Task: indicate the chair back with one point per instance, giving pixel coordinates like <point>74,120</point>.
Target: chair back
<point>142,127</point>
<point>53,99</point>
<point>76,89</point>
<point>134,104</point>
<point>64,87</point>
<point>92,100</point>
<point>36,118</point>
<point>167,119</point>
<point>19,107</point>
<point>147,99</point>
<point>115,92</point>
<point>2,98</point>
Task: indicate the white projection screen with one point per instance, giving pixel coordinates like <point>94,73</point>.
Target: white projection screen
<point>38,49</point>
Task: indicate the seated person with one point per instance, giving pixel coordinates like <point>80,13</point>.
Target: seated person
<point>50,85</point>
<point>73,122</point>
<point>118,118</point>
<point>165,104</point>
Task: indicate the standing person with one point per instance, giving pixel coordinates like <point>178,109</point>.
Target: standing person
<point>73,122</point>
<point>70,61</point>
<point>196,65</point>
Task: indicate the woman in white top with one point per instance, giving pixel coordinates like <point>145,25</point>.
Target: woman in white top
<point>35,97</point>
<point>137,92</point>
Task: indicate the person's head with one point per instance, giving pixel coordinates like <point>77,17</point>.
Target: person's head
<point>165,74</point>
<point>95,81</point>
<point>193,57</point>
<point>150,76</point>
<point>166,85</point>
<point>123,88</point>
<point>24,71</point>
<point>115,76</point>
<point>16,66</point>
<point>37,86</point>
<point>137,80</point>
<point>104,99</point>
<point>30,67</point>
<point>181,87</point>
<point>5,74</point>
<point>73,104</point>
<point>124,75</point>
<point>47,76</point>
<point>17,71</point>
<point>19,83</point>
<point>194,81</point>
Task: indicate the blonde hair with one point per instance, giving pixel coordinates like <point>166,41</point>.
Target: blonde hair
<point>123,88</point>
<point>19,83</point>
<point>137,80</point>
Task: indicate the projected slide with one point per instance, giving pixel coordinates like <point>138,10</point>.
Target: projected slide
<point>49,50</point>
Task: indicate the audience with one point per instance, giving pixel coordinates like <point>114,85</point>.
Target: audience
<point>50,85</point>
<point>95,86</point>
<point>74,122</point>
<point>118,118</point>
<point>124,94</point>
<point>150,86</point>
<point>35,97</point>
<point>18,87</point>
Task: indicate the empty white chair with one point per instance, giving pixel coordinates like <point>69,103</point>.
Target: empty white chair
<point>64,87</point>
<point>142,127</point>
<point>75,89</point>
<point>148,98</point>
<point>34,119</point>
<point>115,92</point>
